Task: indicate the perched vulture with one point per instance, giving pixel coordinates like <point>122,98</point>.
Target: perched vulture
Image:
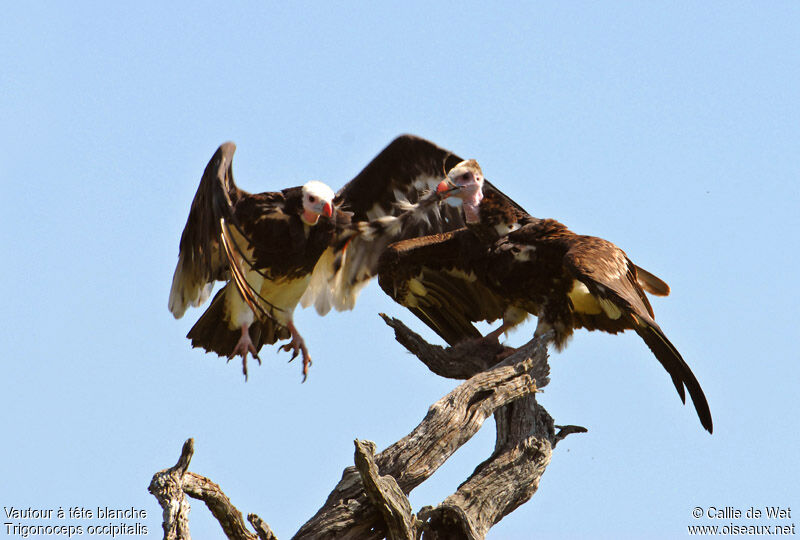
<point>508,264</point>
<point>276,249</point>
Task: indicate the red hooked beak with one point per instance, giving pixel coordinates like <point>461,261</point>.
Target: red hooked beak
<point>327,210</point>
<point>446,189</point>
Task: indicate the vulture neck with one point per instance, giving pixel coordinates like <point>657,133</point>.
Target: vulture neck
<point>472,207</point>
<point>309,218</point>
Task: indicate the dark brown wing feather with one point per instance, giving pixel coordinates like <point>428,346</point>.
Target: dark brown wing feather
<point>611,276</point>
<point>608,273</point>
<point>434,277</point>
<point>673,362</point>
<point>200,259</point>
<point>651,283</point>
<point>406,161</point>
<point>405,170</point>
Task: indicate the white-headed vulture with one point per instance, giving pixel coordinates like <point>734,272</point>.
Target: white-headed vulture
<point>507,264</point>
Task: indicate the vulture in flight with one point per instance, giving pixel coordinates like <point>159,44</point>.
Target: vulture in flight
<point>300,245</point>
<point>264,246</point>
<point>506,264</point>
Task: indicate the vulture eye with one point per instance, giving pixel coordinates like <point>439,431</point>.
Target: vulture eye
<point>312,199</point>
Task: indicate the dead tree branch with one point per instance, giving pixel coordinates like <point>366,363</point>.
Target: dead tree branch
<point>384,494</point>
<point>169,487</point>
<point>370,501</point>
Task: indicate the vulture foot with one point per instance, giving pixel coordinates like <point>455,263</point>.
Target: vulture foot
<point>244,347</point>
<point>298,347</point>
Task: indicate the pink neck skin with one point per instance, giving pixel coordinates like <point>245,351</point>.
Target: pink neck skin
<point>309,218</point>
<point>472,206</point>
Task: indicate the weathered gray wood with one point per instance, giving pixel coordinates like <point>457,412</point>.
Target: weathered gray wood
<point>262,529</point>
<point>228,516</point>
<point>169,487</point>
<point>510,477</point>
<point>384,494</point>
<point>459,362</point>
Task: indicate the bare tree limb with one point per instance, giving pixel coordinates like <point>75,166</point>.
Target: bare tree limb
<point>503,482</point>
<point>461,361</point>
<point>229,517</point>
<point>384,494</point>
<point>262,529</point>
<point>167,487</point>
<point>563,431</point>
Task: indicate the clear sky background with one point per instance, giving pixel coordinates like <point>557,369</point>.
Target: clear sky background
<point>672,129</point>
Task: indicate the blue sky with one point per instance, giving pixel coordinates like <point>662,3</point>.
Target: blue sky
<point>671,129</point>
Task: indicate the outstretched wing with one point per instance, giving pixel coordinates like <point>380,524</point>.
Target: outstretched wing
<point>402,173</point>
<point>436,278</point>
<point>610,278</point>
<point>201,261</point>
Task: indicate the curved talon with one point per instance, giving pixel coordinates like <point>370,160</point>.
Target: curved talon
<point>291,346</point>
<point>244,347</point>
<point>306,364</point>
<point>298,347</point>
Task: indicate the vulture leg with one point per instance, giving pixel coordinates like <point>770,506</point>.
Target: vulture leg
<point>298,346</point>
<point>243,347</point>
<point>494,335</point>
<point>511,318</point>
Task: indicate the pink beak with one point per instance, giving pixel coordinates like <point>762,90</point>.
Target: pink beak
<point>443,186</point>
<point>327,210</point>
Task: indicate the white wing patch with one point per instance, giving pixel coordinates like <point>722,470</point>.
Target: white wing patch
<point>585,302</point>
<point>524,254</point>
<point>319,291</point>
<point>340,288</point>
<point>582,299</point>
<point>416,290</point>
<point>503,228</point>
<point>610,308</point>
<point>460,274</point>
<point>186,290</point>
<point>329,289</point>
<point>416,287</point>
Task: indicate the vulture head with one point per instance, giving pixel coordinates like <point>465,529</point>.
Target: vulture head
<point>464,186</point>
<point>317,201</point>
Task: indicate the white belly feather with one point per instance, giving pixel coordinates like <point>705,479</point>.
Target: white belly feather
<point>283,294</point>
